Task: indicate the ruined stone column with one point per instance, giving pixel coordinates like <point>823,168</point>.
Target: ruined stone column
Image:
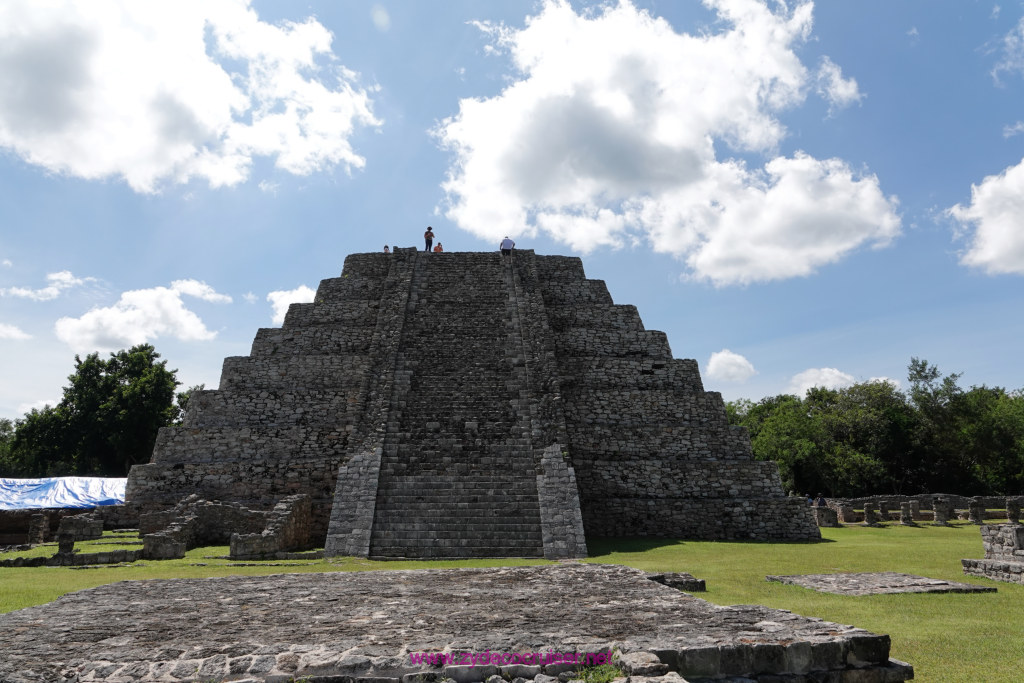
<point>942,509</point>
<point>870,515</point>
<point>906,514</point>
<point>915,510</point>
<point>846,514</point>
<point>39,528</point>
<point>1013,510</point>
<point>65,543</point>
<point>976,512</point>
<point>825,516</point>
<point>883,510</point>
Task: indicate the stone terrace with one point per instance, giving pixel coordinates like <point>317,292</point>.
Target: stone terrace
<point>470,405</point>
<point>364,625</point>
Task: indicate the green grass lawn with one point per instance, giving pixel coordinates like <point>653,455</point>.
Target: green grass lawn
<point>947,637</point>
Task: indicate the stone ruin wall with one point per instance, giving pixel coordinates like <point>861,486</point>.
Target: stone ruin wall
<point>279,423</point>
<point>652,452</point>
<point>1004,554</point>
<point>20,527</point>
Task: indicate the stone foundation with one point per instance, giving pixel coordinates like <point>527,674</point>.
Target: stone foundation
<point>362,626</point>
<point>287,529</point>
<point>252,534</point>
<point>1004,554</point>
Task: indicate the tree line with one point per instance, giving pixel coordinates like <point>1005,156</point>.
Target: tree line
<point>872,437</point>
<point>106,421</point>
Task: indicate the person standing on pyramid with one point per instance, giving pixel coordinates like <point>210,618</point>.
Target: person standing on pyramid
<point>438,249</point>
<point>507,246</point>
<point>428,237</point>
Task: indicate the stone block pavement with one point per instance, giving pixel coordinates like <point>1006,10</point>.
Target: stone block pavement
<point>877,583</point>
<point>358,627</point>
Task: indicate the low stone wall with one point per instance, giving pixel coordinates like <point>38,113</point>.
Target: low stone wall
<point>70,558</point>
<point>252,534</point>
<point>257,485</point>
<point>287,529</point>
<point>213,521</point>
<point>16,526</point>
<point>81,528</point>
<point>1004,554</point>
<point>117,516</point>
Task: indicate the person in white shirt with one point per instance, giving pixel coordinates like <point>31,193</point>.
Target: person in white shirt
<point>507,245</point>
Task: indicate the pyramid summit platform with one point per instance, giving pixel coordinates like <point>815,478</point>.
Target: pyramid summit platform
<point>471,405</point>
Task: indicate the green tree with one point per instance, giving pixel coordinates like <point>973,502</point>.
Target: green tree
<point>181,402</point>
<point>989,429</point>
<point>38,447</point>
<point>6,437</point>
<point>865,427</point>
<point>782,429</point>
<point>106,421</point>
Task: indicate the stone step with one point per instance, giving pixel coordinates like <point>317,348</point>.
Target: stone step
<point>440,554</point>
<point>384,534</point>
<point>516,510</point>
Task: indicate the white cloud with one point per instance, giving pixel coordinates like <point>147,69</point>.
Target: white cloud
<point>166,92</point>
<point>1010,131</point>
<point>727,366</point>
<point>830,378</point>
<point>12,332</point>
<point>995,215</point>
<point>268,187</point>
<point>35,405</point>
<point>200,290</point>
<point>6,263</point>
<point>614,133</point>
<point>138,317</point>
<point>250,297</point>
<point>381,18</point>
<point>280,300</point>
<point>59,283</point>
<point>838,91</point>
<point>895,383</point>
<point>1012,58</point>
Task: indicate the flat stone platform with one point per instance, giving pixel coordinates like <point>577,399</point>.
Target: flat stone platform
<point>346,626</point>
<point>877,583</point>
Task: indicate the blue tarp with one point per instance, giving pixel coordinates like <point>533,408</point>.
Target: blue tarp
<point>60,492</point>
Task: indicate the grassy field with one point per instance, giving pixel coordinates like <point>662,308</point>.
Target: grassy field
<point>947,637</point>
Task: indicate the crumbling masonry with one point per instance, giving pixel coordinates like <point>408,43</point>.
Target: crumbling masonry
<point>470,405</point>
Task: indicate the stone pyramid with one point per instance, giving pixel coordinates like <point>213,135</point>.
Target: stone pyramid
<point>471,405</point>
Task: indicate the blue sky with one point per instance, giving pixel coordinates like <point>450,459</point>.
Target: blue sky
<point>796,194</point>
